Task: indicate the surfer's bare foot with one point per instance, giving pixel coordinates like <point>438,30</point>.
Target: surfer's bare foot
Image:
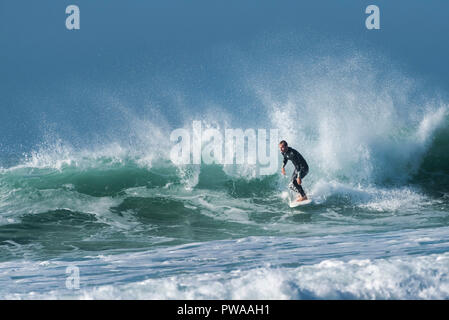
<point>299,199</point>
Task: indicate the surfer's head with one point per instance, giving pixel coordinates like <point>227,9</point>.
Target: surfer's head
<point>283,146</point>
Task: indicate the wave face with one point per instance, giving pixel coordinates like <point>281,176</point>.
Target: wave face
<point>377,148</point>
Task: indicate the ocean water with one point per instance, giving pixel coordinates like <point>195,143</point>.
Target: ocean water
<point>137,226</point>
<point>92,207</point>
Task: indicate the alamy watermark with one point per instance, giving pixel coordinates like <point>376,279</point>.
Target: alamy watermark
<point>72,282</point>
<point>226,147</point>
<point>373,20</point>
<point>72,21</point>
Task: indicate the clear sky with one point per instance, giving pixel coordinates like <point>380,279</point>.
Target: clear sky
<point>129,43</point>
<point>34,39</point>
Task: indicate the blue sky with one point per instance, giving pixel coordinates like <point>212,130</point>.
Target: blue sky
<point>34,40</point>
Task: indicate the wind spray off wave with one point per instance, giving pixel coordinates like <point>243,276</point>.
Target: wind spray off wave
<point>377,154</point>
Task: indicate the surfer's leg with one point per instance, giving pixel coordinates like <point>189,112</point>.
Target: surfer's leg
<point>302,174</point>
<point>300,190</point>
<point>292,185</point>
<point>297,187</point>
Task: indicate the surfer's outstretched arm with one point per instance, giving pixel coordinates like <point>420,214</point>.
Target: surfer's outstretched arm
<point>284,162</point>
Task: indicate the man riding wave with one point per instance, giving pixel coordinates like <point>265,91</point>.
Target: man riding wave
<point>301,169</point>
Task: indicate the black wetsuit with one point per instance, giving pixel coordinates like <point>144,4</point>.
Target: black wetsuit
<point>301,168</point>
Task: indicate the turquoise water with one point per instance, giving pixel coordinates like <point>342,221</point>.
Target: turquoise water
<point>88,190</point>
<point>149,229</point>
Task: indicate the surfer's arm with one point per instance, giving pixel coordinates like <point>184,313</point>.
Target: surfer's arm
<point>283,166</point>
<point>284,162</point>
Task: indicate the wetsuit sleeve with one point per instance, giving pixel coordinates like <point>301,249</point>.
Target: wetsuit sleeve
<point>284,162</point>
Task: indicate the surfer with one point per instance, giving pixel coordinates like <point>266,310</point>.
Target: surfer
<point>301,168</point>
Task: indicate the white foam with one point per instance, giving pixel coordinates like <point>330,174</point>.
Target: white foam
<point>347,126</point>
<point>373,198</point>
<point>431,122</point>
<point>418,277</point>
<point>189,175</point>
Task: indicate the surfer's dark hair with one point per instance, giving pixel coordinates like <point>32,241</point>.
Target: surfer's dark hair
<point>284,143</point>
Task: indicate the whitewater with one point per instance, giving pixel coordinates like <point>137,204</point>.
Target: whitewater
<point>138,226</point>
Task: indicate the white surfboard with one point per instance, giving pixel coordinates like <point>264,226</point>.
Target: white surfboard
<point>294,204</point>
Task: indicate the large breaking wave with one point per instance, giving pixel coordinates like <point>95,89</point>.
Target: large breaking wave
<point>378,157</point>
